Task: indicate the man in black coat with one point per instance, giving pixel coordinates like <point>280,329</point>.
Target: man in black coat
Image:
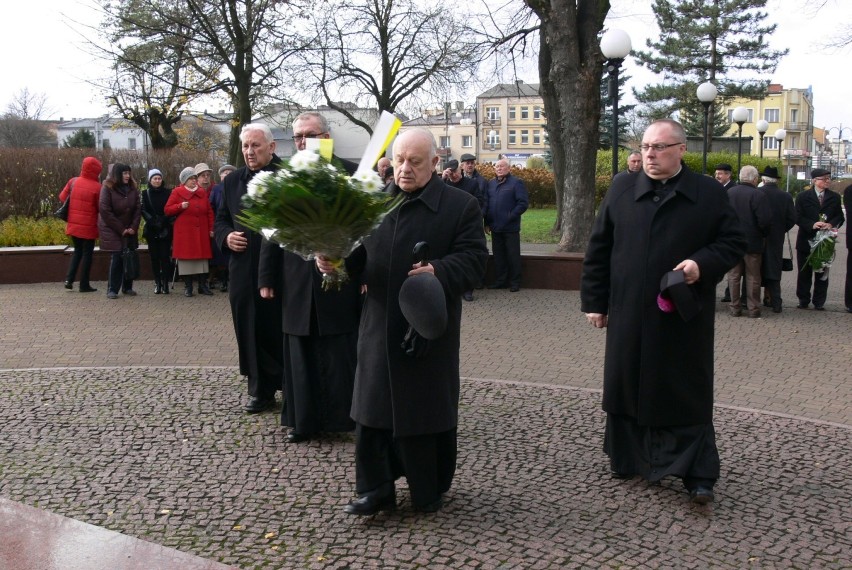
<point>755,217</point>
<point>847,295</point>
<point>406,406</point>
<point>257,322</point>
<point>811,207</point>
<point>453,176</point>
<point>320,327</point>
<point>658,372</point>
<point>783,218</point>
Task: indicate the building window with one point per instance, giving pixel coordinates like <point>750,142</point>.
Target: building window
<point>749,120</point>
<point>771,115</point>
<point>793,142</point>
<point>467,141</point>
<point>511,113</point>
<point>794,115</point>
<point>770,143</point>
<point>536,137</point>
<point>537,112</point>
<point>445,142</point>
<point>131,143</point>
<point>493,139</point>
<point>105,143</point>
<point>512,138</point>
<point>525,136</point>
<point>525,113</point>
<point>492,113</point>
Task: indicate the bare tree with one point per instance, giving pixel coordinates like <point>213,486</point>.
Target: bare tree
<point>22,126</point>
<point>381,53</point>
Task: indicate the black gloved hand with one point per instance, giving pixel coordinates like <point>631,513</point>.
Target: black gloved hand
<point>413,344</point>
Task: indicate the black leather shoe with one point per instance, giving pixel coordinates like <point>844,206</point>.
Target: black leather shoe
<point>204,289</point>
<point>433,507</point>
<point>776,309</point>
<point>187,291</point>
<point>467,295</point>
<point>620,475</point>
<point>514,289</point>
<point>725,299</point>
<point>158,289</point>
<point>496,286</point>
<point>802,306</point>
<point>256,405</point>
<point>371,503</point>
<point>296,437</point>
<point>702,495</point>
<point>820,308</point>
<point>130,293</point>
<point>69,284</point>
<point>87,289</point>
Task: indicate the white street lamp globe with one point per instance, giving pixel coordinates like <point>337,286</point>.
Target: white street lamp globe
<point>466,121</point>
<point>740,115</point>
<point>780,135</point>
<point>615,44</point>
<point>762,126</point>
<point>706,92</point>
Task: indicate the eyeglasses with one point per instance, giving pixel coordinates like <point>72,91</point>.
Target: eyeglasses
<point>297,138</point>
<point>659,147</point>
<point>824,178</point>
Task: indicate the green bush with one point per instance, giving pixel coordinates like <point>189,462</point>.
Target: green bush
<point>17,231</point>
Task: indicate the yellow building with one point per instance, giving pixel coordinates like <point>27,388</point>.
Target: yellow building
<point>505,121</point>
<point>788,109</point>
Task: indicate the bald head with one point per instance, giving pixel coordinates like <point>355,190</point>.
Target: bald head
<point>415,156</point>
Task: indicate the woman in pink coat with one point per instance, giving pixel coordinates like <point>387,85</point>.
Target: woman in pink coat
<point>192,231</point>
<point>82,223</point>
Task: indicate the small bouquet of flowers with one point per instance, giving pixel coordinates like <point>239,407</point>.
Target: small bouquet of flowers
<point>311,208</point>
<point>822,249</point>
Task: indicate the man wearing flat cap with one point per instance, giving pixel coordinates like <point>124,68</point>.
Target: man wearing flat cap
<point>468,164</point>
<point>723,175</point>
<point>406,401</point>
<point>658,369</point>
<point>816,209</point>
<point>783,217</point>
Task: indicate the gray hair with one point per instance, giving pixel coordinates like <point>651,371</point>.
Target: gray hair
<point>677,129</point>
<point>748,173</point>
<point>267,132</point>
<point>313,115</point>
<point>769,180</point>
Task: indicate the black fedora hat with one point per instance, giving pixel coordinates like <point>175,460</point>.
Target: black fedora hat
<point>424,305</point>
<point>685,298</point>
<point>770,171</point>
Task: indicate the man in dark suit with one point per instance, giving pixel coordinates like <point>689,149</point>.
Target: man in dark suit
<point>783,218</point>
<point>723,175</point>
<point>816,209</point>
<point>320,327</point>
<point>658,370</point>
<point>847,295</point>
<point>257,322</point>
<point>755,217</point>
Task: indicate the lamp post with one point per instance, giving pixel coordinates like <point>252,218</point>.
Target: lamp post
<point>780,135</point>
<point>706,93</point>
<point>465,120</point>
<point>615,46</point>
<point>840,145</point>
<point>762,127</point>
<point>740,116</point>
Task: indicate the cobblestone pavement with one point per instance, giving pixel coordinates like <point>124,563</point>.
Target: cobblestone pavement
<point>149,440</point>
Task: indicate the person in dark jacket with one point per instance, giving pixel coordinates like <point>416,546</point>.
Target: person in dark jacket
<point>468,164</point>
<point>119,214</point>
<point>452,176</point>
<point>82,223</point>
<point>320,327</point>
<point>190,206</point>
<point>219,263</point>
<point>505,202</point>
<point>811,207</point>
<point>257,321</point>
<point>847,295</point>
<point>406,407</point>
<point>783,218</point>
<point>158,230</point>
<point>755,218</point>
<point>658,369</point>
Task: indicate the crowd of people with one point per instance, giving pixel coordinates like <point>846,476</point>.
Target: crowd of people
<point>380,356</point>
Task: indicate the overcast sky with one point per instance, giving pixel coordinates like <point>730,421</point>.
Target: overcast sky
<point>44,50</point>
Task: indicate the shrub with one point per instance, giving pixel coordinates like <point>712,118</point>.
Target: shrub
<point>540,183</point>
<point>18,231</point>
<point>31,179</point>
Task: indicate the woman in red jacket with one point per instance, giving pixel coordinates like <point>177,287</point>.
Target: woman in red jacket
<point>82,223</point>
<point>192,231</point>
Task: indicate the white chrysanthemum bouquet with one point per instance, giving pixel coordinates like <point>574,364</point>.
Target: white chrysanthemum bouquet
<point>310,207</point>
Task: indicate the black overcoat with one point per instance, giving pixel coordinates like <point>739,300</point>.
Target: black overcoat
<point>257,321</point>
<point>808,210</point>
<point>414,396</point>
<point>658,369</point>
<point>783,218</point>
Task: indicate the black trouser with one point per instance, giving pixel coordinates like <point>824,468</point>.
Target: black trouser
<point>160,252</point>
<point>847,295</point>
<point>117,282</point>
<point>427,461</point>
<point>806,277</point>
<point>773,286</point>
<point>507,258</point>
<point>83,249</point>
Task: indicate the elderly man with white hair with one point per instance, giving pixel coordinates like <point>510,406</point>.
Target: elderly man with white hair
<point>257,321</point>
<point>782,220</point>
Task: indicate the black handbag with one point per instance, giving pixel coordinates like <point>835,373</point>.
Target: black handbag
<point>62,212</point>
<point>787,262</point>
<point>130,260</point>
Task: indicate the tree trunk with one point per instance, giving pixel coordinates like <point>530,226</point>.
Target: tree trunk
<point>571,66</point>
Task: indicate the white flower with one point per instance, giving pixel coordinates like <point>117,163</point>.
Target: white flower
<point>304,160</point>
<point>367,181</point>
<point>257,185</point>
